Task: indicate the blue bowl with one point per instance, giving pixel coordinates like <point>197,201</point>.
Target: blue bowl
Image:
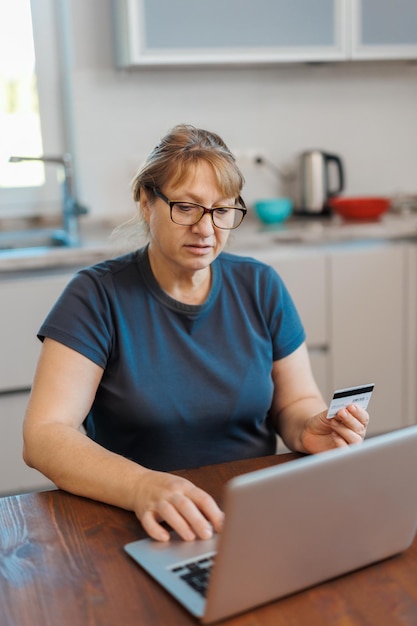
<point>273,210</point>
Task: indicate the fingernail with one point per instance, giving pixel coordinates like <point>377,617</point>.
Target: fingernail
<point>207,533</point>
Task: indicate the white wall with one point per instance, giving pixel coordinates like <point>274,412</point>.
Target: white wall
<point>366,113</point>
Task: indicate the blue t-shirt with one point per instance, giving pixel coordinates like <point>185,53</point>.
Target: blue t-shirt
<point>183,385</point>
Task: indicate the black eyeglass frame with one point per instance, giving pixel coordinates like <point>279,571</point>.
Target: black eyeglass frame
<point>171,203</point>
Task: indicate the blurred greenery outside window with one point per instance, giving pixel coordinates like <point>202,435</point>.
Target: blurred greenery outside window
<point>20,124</point>
<point>34,39</point>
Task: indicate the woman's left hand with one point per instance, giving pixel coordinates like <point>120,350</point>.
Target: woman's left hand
<point>346,428</point>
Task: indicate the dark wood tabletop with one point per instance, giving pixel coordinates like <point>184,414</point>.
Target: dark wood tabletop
<point>62,563</point>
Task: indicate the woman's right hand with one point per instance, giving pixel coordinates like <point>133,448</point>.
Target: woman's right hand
<point>54,445</point>
<point>187,509</point>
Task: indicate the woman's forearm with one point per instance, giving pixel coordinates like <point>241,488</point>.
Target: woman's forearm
<point>77,464</point>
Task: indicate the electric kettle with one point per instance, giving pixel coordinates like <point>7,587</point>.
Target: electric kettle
<point>314,183</point>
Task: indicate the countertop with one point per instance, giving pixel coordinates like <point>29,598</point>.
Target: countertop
<point>294,235</point>
<point>96,244</point>
<point>332,230</point>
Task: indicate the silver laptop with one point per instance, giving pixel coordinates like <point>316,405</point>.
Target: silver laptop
<point>294,525</point>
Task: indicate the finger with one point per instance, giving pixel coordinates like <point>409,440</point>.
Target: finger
<point>181,515</point>
<point>151,523</point>
<point>189,510</point>
<point>354,417</point>
<point>153,528</point>
<point>351,433</point>
<point>338,441</point>
<point>359,413</point>
<point>208,506</point>
<point>193,512</point>
<point>200,511</point>
<point>176,514</point>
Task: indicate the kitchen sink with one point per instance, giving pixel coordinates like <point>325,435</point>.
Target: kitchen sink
<point>33,239</point>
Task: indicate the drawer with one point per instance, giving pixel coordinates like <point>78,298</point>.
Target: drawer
<point>25,303</point>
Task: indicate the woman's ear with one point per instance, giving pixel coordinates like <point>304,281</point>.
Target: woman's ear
<point>144,205</point>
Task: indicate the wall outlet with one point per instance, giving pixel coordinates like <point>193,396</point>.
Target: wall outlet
<point>246,157</point>
<point>258,159</point>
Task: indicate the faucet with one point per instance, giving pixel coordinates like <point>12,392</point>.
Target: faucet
<point>71,209</point>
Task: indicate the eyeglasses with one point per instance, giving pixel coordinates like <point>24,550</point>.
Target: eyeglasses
<point>189,213</point>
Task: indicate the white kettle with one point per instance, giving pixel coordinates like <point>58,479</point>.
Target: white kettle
<point>314,182</point>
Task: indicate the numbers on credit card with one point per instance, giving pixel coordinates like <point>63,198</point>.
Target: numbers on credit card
<point>342,397</point>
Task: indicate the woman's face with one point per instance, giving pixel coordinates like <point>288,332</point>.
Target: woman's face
<point>186,248</point>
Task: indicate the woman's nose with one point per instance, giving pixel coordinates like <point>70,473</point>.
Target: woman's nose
<point>204,225</point>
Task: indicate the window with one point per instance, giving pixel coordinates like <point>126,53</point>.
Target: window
<point>20,127</point>
<point>31,119</point>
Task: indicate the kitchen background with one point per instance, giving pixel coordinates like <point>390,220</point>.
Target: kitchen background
<point>363,111</point>
<point>355,285</point>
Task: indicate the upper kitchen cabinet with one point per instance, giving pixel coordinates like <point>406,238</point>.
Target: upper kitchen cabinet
<point>382,29</point>
<point>190,32</point>
<point>220,32</point>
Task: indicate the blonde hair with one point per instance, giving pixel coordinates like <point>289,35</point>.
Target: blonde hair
<point>182,148</point>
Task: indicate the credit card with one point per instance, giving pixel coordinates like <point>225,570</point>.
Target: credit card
<point>342,397</point>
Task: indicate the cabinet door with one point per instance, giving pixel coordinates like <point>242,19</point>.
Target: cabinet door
<point>368,332</point>
<point>305,277</point>
<point>319,360</point>
<point>15,475</point>
<point>166,32</point>
<point>410,382</point>
<point>24,305</point>
<point>384,30</point>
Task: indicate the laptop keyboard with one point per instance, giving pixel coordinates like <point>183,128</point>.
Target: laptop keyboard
<point>196,573</point>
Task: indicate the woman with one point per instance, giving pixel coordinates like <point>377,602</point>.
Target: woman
<point>175,355</point>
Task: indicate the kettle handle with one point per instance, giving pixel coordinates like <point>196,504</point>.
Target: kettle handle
<point>335,159</point>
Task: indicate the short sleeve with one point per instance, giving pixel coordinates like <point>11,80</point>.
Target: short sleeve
<point>81,318</point>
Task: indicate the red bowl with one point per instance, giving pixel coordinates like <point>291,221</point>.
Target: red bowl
<point>365,208</point>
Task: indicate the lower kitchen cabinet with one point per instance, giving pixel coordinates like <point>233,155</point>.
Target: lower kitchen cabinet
<point>15,475</point>
<point>369,334</point>
<point>410,325</point>
<point>25,300</point>
<point>305,275</point>
<point>319,359</point>
<point>357,301</point>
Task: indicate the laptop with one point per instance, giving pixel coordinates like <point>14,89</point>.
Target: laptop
<point>292,526</point>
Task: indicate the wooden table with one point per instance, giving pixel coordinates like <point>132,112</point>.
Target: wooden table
<point>62,563</point>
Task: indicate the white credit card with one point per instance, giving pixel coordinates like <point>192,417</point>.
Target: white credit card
<point>342,397</point>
